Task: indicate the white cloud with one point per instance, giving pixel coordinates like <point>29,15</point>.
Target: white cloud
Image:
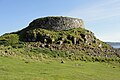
<point>103,10</point>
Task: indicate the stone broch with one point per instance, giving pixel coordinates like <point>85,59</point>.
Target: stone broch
<point>57,23</point>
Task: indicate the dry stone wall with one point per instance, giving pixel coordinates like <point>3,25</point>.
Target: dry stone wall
<point>57,23</point>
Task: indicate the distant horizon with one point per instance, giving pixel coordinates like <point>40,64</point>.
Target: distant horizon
<point>102,17</point>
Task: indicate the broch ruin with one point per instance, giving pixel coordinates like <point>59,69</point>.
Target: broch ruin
<point>57,23</point>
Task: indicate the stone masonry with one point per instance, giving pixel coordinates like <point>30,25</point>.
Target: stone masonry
<point>57,23</point>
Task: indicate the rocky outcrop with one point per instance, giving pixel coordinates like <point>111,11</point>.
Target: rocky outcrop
<point>57,23</point>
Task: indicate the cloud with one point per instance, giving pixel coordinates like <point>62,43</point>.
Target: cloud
<point>103,10</point>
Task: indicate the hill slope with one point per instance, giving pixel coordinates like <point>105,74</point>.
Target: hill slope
<point>72,43</point>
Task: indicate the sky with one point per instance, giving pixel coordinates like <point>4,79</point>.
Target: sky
<point>102,17</point>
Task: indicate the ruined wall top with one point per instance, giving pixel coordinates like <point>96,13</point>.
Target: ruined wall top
<point>57,23</point>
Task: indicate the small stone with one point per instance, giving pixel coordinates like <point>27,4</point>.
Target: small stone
<point>47,45</point>
<point>42,45</point>
<point>113,66</point>
<point>26,62</point>
<point>75,40</point>
<point>62,61</point>
<point>63,39</point>
<point>53,40</point>
<point>100,45</point>
<point>61,42</point>
<point>45,40</point>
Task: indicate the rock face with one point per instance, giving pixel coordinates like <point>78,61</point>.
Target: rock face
<point>57,23</point>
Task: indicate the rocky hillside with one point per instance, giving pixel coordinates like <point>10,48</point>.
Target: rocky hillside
<point>61,39</point>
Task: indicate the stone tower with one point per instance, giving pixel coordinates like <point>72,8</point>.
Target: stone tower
<point>57,23</point>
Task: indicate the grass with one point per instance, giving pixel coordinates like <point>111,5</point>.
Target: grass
<point>12,68</point>
<point>9,39</point>
<point>35,53</point>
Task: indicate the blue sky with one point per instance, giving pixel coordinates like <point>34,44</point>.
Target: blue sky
<point>100,16</point>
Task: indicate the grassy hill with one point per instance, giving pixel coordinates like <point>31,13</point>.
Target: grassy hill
<point>42,54</point>
<point>73,44</point>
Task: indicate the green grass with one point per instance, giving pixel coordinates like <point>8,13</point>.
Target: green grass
<point>12,68</point>
<point>9,39</point>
